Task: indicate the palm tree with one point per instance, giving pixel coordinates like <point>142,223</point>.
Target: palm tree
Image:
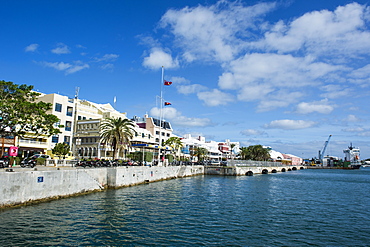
<point>117,132</point>
<point>201,153</point>
<point>175,143</point>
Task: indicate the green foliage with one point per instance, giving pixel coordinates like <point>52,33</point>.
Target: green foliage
<point>117,132</point>
<point>21,115</point>
<point>61,149</point>
<point>138,156</point>
<point>256,152</point>
<point>169,157</point>
<point>40,161</point>
<point>201,153</point>
<point>175,143</point>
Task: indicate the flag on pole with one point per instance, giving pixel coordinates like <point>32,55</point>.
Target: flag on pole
<point>167,83</point>
<point>167,103</point>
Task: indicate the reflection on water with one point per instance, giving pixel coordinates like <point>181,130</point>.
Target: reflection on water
<point>298,208</point>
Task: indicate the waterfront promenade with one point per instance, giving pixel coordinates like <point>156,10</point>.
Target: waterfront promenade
<point>27,185</point>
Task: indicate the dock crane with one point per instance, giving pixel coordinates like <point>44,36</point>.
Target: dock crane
<point>322,153</point>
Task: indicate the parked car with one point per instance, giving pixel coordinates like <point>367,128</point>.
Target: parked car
<point>4,162</point>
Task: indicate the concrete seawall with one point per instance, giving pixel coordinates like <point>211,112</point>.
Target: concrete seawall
<point>22,186</point>
<point>248,170</point>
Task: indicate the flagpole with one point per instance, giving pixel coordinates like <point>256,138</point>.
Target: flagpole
<point>160,116</point>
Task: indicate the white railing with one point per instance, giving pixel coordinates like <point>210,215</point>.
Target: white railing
<point>57,162</point>
<point>253,163</point>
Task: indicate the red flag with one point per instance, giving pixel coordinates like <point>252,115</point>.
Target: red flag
<point>167,103</point>
<point>167,83</point>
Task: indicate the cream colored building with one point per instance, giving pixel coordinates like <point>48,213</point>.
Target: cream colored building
<point>89,145</point>
<point>84,136</point>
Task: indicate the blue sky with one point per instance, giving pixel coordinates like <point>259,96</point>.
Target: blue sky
<point>285,74</point>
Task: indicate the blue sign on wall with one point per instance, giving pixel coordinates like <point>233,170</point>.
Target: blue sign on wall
<point>40,179</point>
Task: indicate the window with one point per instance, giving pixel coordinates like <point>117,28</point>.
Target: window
<point>69,111</point>
<point>168,134</point>
<point>162,133</point>
<point>157,132</point>
<point>58,107</point>
<point>67,139</point>
<point>68,126</point>
<point>55,139</point>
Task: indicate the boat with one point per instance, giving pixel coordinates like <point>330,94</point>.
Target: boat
<point>352,157</point>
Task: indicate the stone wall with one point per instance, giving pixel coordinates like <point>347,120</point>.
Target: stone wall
<point>22,186</point>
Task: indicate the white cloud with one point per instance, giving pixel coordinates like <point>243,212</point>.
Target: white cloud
<point>107,58</point>
<point>108,66</point>
<point>175,117</point>
<point>251,132</point>
<point>61,49</point>
<point>67,67</point>
<point>352,119</point>
<point>215,97</point>
<point>322,106</point>
<point>322,32</point>
<point>273,79</point>
<point>332,91</point>
<point>214,32</point>
<point>288,124</point>
<point>158,58</point>
<point>189,89</point>
<point>354,129</point>
<point>32,48</point>
<point>281,98</point>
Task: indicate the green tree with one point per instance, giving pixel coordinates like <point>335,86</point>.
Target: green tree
<point>175,143</point>
<point>61,149</point>
<point>201,153</point>
<point>21,115</point>
<point>232,145</point>
<point>117,132</point>
<point>256,152</point>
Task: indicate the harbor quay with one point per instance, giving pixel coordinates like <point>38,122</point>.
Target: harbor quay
<point>249,168</point>
<point>23,186</point>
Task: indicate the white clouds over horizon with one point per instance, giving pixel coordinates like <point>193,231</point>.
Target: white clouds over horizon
<point>261,59</point>
<point>68,68</point>
<point>288,124</point>
<point>176,117</point>
<point>322,106</point>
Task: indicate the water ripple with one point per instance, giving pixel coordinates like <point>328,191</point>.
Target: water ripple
<point>301,208</point>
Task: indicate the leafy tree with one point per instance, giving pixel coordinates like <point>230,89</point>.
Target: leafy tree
<point>61,149</point>
<point>138,156</point>
<point>201,153</point>
<point>175,143</point>
<point>21,115</point>
<point>117,132</point>
<point>256,152</point>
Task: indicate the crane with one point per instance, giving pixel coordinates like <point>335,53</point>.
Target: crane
<point>322,153</point>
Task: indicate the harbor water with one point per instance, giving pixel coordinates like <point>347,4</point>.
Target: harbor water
<point>296,208</point>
